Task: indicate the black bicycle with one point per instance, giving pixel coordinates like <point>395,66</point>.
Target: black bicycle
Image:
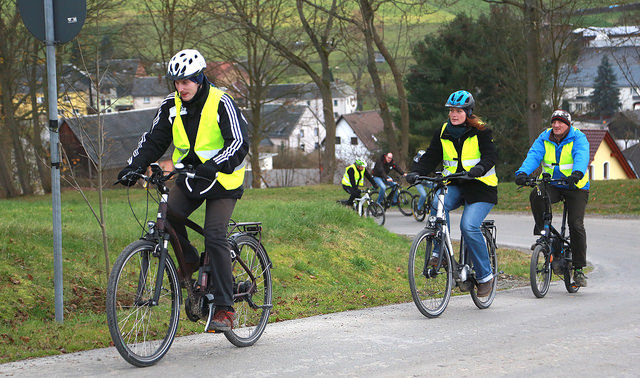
<point>431,279</point>
<point>144,292</point>
<point>403,201</point>
<point>552,251</point>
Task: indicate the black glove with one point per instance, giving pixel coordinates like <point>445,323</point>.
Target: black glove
<point>207,170</point>
<point>130,181</point>
<point>476,171</point>
<point>521,178</point>
<point>411,177</point>
<point>573,179</point>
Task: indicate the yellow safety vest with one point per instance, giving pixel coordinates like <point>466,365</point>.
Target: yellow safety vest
<point>565,165</point>
<point>358,175</point>
<point>209,138</point>
<point>470,157</point>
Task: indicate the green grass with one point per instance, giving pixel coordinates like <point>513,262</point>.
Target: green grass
<point>326,259</point>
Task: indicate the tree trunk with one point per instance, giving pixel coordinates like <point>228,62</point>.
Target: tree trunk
<point>534,90</point>
<point>41,154</point>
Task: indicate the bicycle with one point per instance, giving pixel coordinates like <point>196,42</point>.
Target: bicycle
<point>404,198</point>
<point>552,251</point>
<point>420,213</point>
<point>144,291</point>
<point>432,285</point>
<point>366,206</point>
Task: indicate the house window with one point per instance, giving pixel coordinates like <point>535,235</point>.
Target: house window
<point>316,145</point>
<point>301,133</point>
<point>335,102</point>
<point>146,100</point>
<point>338,140</point>
<point>316,132</point>
<point>605,170</point>
<point>580,90</point>
<point>302,146</point>
<point>336,115</point>
<point>308,103</point>
<point>591,172</point>
<point>354,141</point>
<point>578,107</point>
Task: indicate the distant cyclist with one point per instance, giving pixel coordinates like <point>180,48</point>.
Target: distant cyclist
<point>465,144</point>
<point>381,170</point>
<point>353,179</point>
<point>563,151</point>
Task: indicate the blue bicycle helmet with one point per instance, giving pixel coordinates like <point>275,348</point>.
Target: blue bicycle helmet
<point>461,99</point>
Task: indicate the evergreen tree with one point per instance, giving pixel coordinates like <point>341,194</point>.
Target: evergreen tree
<point>605,99</point>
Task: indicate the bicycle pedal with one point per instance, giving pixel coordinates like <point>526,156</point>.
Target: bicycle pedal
<point>209,317</point>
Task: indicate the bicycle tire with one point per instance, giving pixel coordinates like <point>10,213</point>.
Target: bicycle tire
<point>430,294</point>
<point>251,311</point>
<point>418,214</point>
<point>404,203</point>
<point>540,271</point>
<point>484,302</point>
<point>141,332</point>
<point>376,211</point>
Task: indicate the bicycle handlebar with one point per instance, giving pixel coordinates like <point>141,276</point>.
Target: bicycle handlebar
<point>158,176</point>
<point>440,178</point>
<point>546,178</point>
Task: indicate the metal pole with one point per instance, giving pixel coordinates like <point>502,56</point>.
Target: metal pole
<point>55,157</point>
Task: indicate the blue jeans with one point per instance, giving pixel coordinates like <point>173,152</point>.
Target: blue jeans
<point>382,184</point>
<point>472,217</point>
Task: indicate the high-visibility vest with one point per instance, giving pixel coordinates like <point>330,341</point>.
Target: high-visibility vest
<point>209,138</point>
<point>470,157</point>
<point>565,165</point>
<point>358,175</point>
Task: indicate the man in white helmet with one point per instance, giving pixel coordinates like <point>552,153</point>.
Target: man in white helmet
<point>210,134</point>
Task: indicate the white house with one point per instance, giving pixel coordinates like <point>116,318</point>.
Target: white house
<point>357,136</point>
<point>149,91</point>
<point>344,97</point>
<point>293,126</point>
<point>621,46</point>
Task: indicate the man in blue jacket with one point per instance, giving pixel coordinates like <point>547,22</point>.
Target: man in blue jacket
<point>563,151</point>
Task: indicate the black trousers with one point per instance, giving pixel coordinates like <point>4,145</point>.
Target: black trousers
<point>216,221</point>
<point>576,201</point>
<point>353,193</point>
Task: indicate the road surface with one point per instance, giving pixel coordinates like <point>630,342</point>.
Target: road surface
<point>593,333</point>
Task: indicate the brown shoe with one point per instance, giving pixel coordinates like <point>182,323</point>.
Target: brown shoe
<point>433,261</point>
<point>222,321</point>
<point>485,288</point>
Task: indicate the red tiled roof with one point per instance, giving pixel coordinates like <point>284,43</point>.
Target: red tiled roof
<point>595,138</point>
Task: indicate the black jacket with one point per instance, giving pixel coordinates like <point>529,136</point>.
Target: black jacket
<point>382,168</point>
<point>233,126</point>
<point>472,190</point>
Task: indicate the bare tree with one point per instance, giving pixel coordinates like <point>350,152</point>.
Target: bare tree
<point>256,66</point>
<point>318,27</point>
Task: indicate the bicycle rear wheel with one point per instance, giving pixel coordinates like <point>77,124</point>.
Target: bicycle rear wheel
<point>540,271</point>
<point>404,202</point>
<point>418,214</point>
<point>252,297</point>
<point>142,331</point>
<point>375,211</point>
<point>430,287</point>
<point>569,284</point>
<point>485,302</point>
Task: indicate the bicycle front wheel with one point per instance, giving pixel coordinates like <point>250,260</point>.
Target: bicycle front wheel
<point>540,271</point>
<point>142,331</point>
<point>252,291</point>
<point>430,286</point>
<point>485,302</point>
<point>376,211</point>
<point>404,202</point>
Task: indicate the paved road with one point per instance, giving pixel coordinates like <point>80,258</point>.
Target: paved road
<point>592,333</point>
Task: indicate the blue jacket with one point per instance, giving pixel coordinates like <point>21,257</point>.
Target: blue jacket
<point>580,154</point>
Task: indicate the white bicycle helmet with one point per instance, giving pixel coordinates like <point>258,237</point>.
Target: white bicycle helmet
<point>185,64</point>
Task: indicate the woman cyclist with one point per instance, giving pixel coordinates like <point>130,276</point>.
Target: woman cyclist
<point>465,144</point>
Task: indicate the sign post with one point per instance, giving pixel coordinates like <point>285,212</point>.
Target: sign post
<point>54,23</point>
